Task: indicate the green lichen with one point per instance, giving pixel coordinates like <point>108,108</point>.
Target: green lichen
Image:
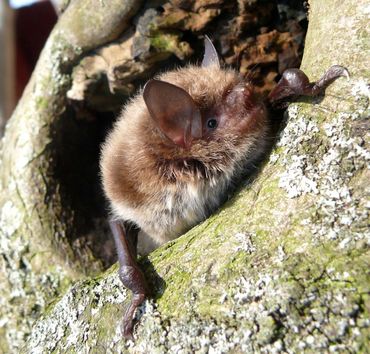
<point>169,41</point>
<point>163,42</point>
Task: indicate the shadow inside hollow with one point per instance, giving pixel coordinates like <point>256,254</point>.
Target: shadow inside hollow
<point>77,147</point>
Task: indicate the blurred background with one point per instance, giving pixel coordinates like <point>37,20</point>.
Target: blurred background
<point>24,28</point>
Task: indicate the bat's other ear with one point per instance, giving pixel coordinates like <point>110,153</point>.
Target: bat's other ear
<point>174,111</point>
<point>210,54</point>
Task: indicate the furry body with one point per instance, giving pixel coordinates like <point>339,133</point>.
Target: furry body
<point>165,189</point>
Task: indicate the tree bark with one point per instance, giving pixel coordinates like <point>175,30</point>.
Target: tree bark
<point>282,267</point>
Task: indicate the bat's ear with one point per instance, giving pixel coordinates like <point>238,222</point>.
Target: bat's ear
<point>210,54</point>
<point>174,111</point>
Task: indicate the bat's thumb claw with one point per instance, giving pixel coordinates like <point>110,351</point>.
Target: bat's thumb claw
<point>346,74</point>
<point>338,70</point>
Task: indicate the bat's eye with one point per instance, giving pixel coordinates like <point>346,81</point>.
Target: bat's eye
<point>212,123</point>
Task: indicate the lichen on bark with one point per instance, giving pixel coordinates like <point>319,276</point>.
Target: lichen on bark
<point>281,267</point>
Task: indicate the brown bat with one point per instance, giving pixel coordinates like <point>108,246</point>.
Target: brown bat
<point>179,147</point>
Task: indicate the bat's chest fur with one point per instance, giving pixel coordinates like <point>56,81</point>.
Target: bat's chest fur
<point>174,210</point>
<point>186,206</point>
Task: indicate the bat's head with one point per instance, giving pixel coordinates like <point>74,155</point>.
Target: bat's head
<point>206,112</point>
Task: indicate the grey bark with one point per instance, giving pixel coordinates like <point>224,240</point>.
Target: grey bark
<point>282,267</point>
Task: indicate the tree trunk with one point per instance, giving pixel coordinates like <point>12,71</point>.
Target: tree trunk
<point>282,267</point>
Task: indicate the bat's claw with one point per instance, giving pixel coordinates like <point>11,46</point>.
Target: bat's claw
<point>343,72</point>
<point>332,74</point>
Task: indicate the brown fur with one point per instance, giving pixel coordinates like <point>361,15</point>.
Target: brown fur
<point>164,188</point>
